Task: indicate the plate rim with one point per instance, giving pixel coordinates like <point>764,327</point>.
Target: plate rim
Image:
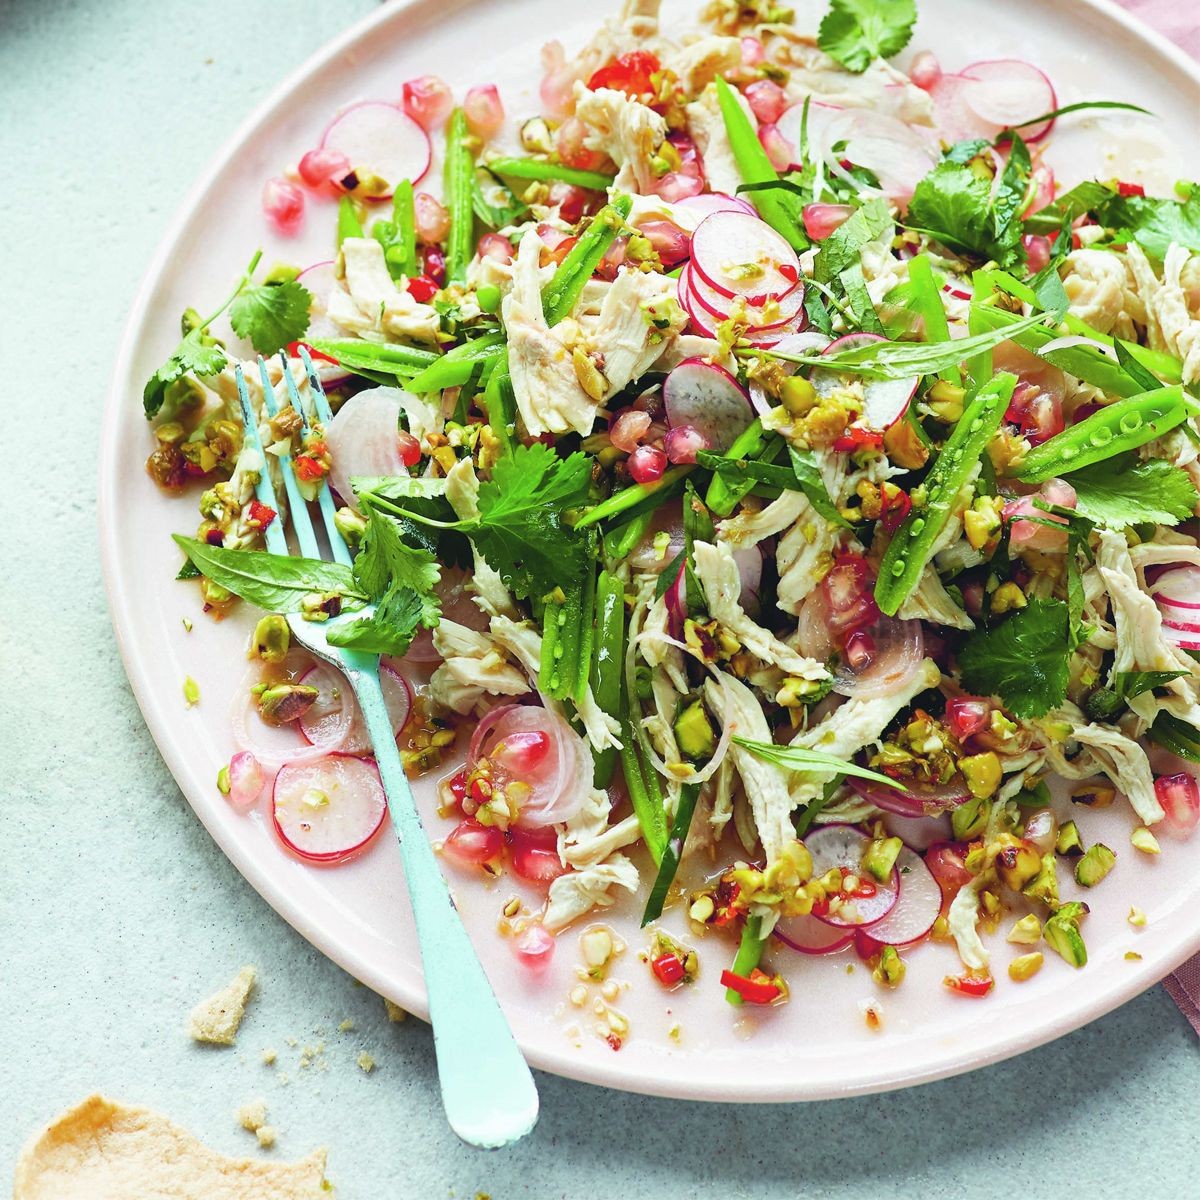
<point>166,735</point>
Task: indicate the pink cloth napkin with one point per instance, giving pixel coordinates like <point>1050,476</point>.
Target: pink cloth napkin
<point>1180,21</point>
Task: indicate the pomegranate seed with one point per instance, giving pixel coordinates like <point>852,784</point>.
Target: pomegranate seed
<point>435,264</point>
<point>522,752</point>
<point>321,166</point>
<point>628,429</point>
<point>457,786</point>
<point>1130,189</point>
<point>494,245</point>
<point>778,148</point>
<point>647,464</point>
<point>925,70</point>
<point>753,51</point>
<point>968,715</point>
<point>422,289</point>
<point>670,243</point>
<point>1180,797</point>
<point>683,443</point>
<point>860,651</point>
<point>1037,250</point>
<point>534,947</point>
<point>571,201</point>
<point>409,447</point>
<point>283,205</point>
<point>676,186</point>
<point>214,537</point>
<point>428,100</point>
<point>768,101</point>
<point>484,110</point>
<point>820,220</point>
<point>474,844</point>
<point>569,142</point>
<point>668,969</point>
<point>432,219</point>
<point>535,854</point>
<point>480,790</point>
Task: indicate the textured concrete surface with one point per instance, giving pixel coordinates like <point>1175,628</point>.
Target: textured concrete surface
<point>116,910</point>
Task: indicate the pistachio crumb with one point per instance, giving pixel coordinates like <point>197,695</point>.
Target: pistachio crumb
<point>1136,918</point>
<point>366,1064</point>
<point>187,625</point>
<point>1025,967</point>
<point>269,1056</point>
<point>346,1026</point>
<point>1145,841</point>
<point>394,1011</point>
<point>1026,932</point>
<point>1132,956</point>
<point>191,692</point>
<point>675,1033</point>
<point>578,995</point>
<point>266,1135</point>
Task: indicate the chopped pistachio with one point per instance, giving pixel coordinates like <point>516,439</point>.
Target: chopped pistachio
<point>350,525</point>
<point>1025,967</point>
<point>702,908</point>
<point>187,625</point>
<point>286,702</point>
<point>1136,917</point>
<point>1069,842</point>
<point>945,401</point>
<point>797,395</point>
<point>1026,932</point>
<point>880,858</point>
<point>1093,796</point>
<point>1007,597</point>
<point>1062,934</point>
<point>982,773</point>
<point>1095,864</point>
<point>1044,886</point>
<point>1018,863</point>
<point>272,638</point>
<point>223,784</point>
<point>969,820</point>
<point>596,945</point>
<point>1132,956</point>
<point>889,970</point>
<point>1144,840</point>
<point>191,691</point>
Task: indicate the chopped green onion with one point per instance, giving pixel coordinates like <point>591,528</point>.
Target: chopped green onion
<point>689,793</point>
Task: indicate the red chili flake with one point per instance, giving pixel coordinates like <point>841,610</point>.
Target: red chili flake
<point>308,469</point>
<point>261,514</point>
<point>857,438</point>
<point>970,985</point>
<point>293,349</point>
<point>756,988</point>
<point>1130,189</point>
<point>896,505</point>
<point>458,786</point>
<point>668,969</point>
<point>789,272</point>
<point>820,907</point>
<point>614,1042</point>
<point>480,789</point>
<point>866,889</point>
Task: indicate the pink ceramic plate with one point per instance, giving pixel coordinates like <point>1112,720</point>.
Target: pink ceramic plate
<point>819,1044</point>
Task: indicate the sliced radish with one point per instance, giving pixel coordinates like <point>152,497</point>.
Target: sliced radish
<point>1006,91</point>
<point>363,438</point>
<point>707,397</point>
<point>328,809</point>
<point>809,935</point>
<point>705,322</point>
<point>740,255</point>
<point>954,119</point>
<point>760,316</point>
<point>794,343</point>
<point>843,848</point>
<point>920,901</point>
<point>1178,587</point>
<point>894,152</point>
<point>714,202</point>
<point>885,401</point>
<point>335,694</point>
<point>1184,639</point>
<point>380,139</point>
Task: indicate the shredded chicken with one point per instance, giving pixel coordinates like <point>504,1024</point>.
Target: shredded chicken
<point>473,665</point>
<point>929,601</point>
<point>700,62</point>
<point>629,132</point>
<point>750,528</point>
<point>1095,284</point>
<point>578,892</point>
<point>381,305</point>
<point>1124,761</point>
<point>717,572</point>
<point>622,339</point>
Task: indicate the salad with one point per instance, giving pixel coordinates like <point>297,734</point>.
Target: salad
<point>780,490</point>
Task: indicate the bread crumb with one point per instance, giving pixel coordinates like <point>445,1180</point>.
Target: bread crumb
<point>394,1011</point>
<point>269,1056</point>
<point>252,1116</point>
<point>346,1026</point>
<point>266,1135</point>
<point>366,1064</point>
<point>216,1019</point>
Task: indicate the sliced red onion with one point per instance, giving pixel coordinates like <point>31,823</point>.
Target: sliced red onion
<point>894,152</point>
<point>921,799</point>
<point>1008,91</point>
<point>336,695</point>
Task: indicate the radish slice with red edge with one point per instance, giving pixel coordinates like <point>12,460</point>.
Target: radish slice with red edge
<point>334,694</point>
<point>362,438</point>
<point>739,255</point>
<point>770,313</point>
<point>274,745</point>
<point>1006,91</point>
<point>380,139</point>
<point>794,343</point>
<point>808,935</point>
<point>327,810</point>
<point>918,905</point>
<point>707,397</point>
<point>842,847</point>
<point>714,202</point>
<point>1177,586</point>
<point>705,322</point>
<point>885,401</point>
<point>953,117</point>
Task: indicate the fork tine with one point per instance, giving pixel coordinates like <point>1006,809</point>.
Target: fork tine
<point>264,489</point>
<point>341,552</point>
<point>299,507</point>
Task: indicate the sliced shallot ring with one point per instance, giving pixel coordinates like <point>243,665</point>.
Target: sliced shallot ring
<point>810,935</point>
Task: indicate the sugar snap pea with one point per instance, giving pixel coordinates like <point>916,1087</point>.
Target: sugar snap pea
<point>536,168</point>
<point>560,294</point>
<point>459,191</point>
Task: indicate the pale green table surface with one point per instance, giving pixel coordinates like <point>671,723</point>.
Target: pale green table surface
<point>118,912</point>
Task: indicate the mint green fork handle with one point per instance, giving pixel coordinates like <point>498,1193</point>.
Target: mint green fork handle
<point>487,1088</point>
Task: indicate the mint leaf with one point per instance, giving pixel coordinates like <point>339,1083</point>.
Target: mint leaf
<point>276,582</point>
<point>1117,493</point>
<point>857,31</point>
<point>843,247</point>
<point>1023,661</point>
<point>271,314</point>
<point>795,758</point>
<point>520,530</point>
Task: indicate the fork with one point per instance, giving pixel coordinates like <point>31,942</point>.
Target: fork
<point>488,1092</point>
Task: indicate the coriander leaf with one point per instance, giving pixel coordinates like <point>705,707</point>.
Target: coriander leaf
<point>271,314</point>
<point>1024,660</point>
<point>794,758</point>
<point>276,582</point>
<point>843,247</point>
<point>1082,198</point>
<point>1048,287</point>
<point>386,561</point>
<point>192,354</point>
<point>389,629</point>
<point>520,530</point>
<point>857,31</point>
<point>398,487</point>
<point>1153,222</point>
<point>1117,493</point>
